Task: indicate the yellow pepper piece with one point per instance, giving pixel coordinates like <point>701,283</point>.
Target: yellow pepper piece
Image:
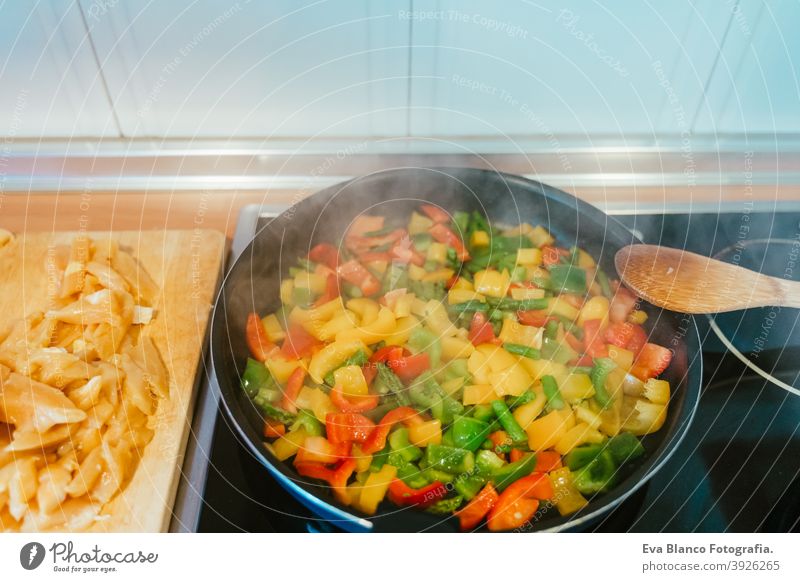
<point>529,257</point>
<point>281,368</point>
<point>315,400</point>
<point>419,224</point>
<point>479,394</point>
<point>287,289</point>
<point>402,331</point>
<point>328,330</point>
<point>520,293</point>
<point>374,489</point>
<point>438,275</point>
<point>595,308</point>
<point>586,415</point>
<point>456,347</point>
<point>514,332</point>
<point>638,316</point>
<point>351,380</point>
<point>379,329</point>
<point>566,496</point>
<point>585,260</point>
<point>437,253</point>
<point>539,368</point>
<point>312,281</point>
<point>463,283</point>
<point>416,273</point>
<point>456,296</point>
<point>512,381</point>
<point>454,385</point>
<point>641,417</point>
<point>496,357</point>
<point>331,356</point>
<point>365,308</point>
<point>437,320</point>
<point>324,312</point>
<point>288,445</point>
<point>378,266</point>
<point>528,412</point>
<point>363,460</point>
<point>540,236</point>
<point>578,435</point>
<point>622,357</point>
<point>273,328</point>
<point>480,238</point>
<point>402,306</point>
<point>657,391</point>
<point>426,433</point>
<point>492,282</point>
<point>546,431</point>
<point>478,367</point>
<point>576,387</point>
<point>559,306</point>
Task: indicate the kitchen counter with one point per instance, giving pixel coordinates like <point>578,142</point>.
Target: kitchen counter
<point>219,209</point>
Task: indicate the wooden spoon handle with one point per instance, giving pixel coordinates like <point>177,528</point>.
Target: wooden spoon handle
<point>789,293</point>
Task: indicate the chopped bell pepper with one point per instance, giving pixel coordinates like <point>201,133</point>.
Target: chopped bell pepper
<point>566,497</point>
<point>256,376</point>
<point>326,254</point>
<point>354,404</point>
<point>443,234</point>
<point>377,440</point>
<point>471,515</point>
<point>593,339</point>
<point>625,447</point>
<point>597,476</point>
<point>468,433</point>
<point>403,495</point>
<point>651,361</point>
<point>257,340</point>
<point>309,423</point>
<point>426,393</point>
<point>435,213</point>
<point>568,279</point>
<point>399,441</point>
<point>409,367</point>
<point>507,474</point>
<point>292,389</point>
<point>348,427</point>
<point>356,274</point>
<point>374,489</point>
<point>298,343</point>
<point>428,342</point>
<point>449,459</point>
<point>273,429</point>
<point>480,330</point>
<point>446,506</point>
<point>602,368</point>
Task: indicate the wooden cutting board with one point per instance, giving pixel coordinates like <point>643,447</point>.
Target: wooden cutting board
<point>186,265</point>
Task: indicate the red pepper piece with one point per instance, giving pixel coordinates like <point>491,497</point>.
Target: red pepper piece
<point>622,303</point>
<point>593,339</point>
<point>473,512</point>
<point>402,495</point>
<point>331,290</point>
<point>435,213</point>
<point>535,317</point>
<point>325,254</point>
<point>377,440</point>
<point>480,330</point>
<point>651,361</point>
<point>519,502</point>
<point>409,367</point>
<point>348,427</point>
<point>547,461</point>
<point>337,478</point>
<point>273,429</point>
<point>357,404</point>
<point>257,340</point>
<point>444,235</point>
<point>292,389</point>
<point>298,343</point>
<point>356,274</point>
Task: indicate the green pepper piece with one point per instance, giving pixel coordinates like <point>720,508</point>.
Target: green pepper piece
<point>379,459</point>
<point>508,422</point>
<point>519,274</point>
<point>600,371</point>
<point>398,441</point>
<point>396,277</point>
<point>524,351</point>
<point>625,447</point>
<point>507,474</point>
<point>598,476</point>
<point>447,438</point>
<point>456,369</point>
<point>255,376</point>
<point>550,330</point>
<point>432,475</point>
<point>553,394</point>
<point>487,463</point>
<point>468,486</point>
<point>469,433</point>
<point>449,459</point>
<point>445,506</point>
<point>557,351</point>
<point>461,220</point>
<point>568,278</point>
<point>483,412</point>
<point>411,475</point>
<point>581,456</point>
<point>309,422</point>
<point>428,342</point>
<point>302,296</point>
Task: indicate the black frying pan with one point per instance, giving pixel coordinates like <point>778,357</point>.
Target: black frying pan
<point>253,285</point>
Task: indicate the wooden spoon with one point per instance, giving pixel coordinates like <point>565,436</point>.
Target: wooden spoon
<point>690,283</point>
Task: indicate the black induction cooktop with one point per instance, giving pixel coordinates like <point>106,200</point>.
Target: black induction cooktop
<point>736,470</point>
